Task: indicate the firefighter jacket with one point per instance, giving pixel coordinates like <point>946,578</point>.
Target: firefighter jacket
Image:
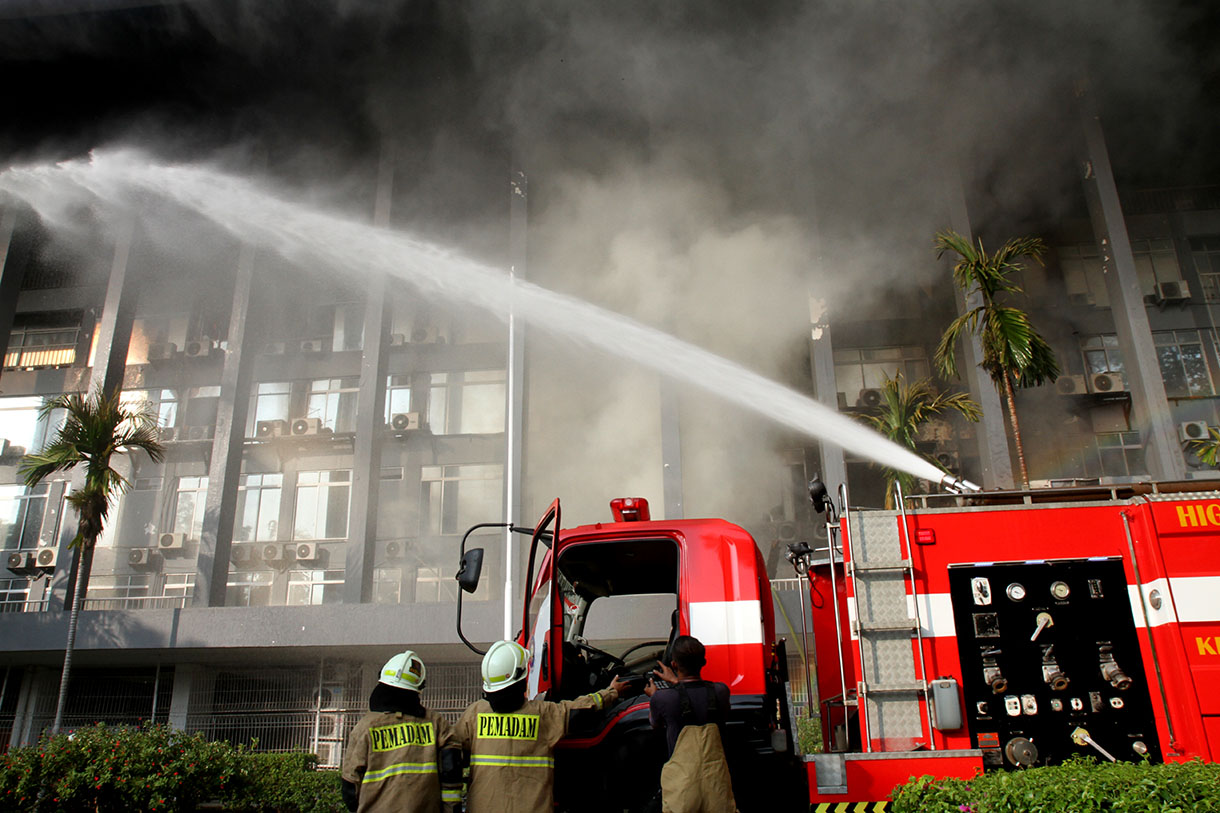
<point>394,760</point>
<point>696,778</point>
<point>512,768</point>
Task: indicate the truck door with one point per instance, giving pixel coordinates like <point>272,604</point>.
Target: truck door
<point>541,623</point>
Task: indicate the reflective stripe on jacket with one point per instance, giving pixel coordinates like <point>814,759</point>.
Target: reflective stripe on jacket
<point>393,759</point>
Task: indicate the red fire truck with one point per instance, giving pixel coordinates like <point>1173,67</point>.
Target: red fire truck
<point>962,633</point>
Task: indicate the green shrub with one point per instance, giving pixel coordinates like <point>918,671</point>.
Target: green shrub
<point>156,768</point>
<point>1077,785</point>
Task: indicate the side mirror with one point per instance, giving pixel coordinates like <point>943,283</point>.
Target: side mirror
<point>470,570</point>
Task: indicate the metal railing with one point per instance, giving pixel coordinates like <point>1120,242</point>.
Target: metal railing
<point>23,606</point>
<point>136,603</point>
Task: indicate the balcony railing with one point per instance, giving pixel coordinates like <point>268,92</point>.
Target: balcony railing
<point>44,356</point>
<point>23,606</point>
<point>136,603</point>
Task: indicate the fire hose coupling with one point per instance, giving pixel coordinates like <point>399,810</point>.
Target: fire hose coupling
<point>959,485</point>
<point>1111,671</point>
<point>994,678</point>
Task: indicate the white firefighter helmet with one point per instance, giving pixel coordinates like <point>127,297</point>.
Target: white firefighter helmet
<point>404,671</point>
<point>505,664</point>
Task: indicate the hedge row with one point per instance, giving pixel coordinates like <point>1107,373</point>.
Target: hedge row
<point>1079,785</point>
<point>156,768</point>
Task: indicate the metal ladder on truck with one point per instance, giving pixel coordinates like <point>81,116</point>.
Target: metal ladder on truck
<point>892,679</point>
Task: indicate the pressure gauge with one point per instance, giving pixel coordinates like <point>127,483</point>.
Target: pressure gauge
<point>1016,591</point>
<point>1060,590</point>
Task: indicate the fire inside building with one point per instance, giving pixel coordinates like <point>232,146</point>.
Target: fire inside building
<point>333,427</point>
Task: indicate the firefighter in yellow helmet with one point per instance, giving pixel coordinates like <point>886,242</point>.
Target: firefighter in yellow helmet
<point>401,756</point>
<point>511,740</point>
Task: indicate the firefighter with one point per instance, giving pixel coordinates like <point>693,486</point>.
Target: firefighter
<point>401,756</point>
<point>691,711</point>
<point>511,740</point>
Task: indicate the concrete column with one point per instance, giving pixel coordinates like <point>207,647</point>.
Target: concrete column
<point>1150,412</point>
<point>370,414</point>
<point>185,675</point>
<point>113,338</point>
<point>514,408</point>
<point>224,465</point>
<point>992,431</point>
<point>822,363</point>
<point>11,275</point>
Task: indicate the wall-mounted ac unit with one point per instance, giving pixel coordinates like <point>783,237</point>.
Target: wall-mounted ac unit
<point>1193,430</point>
<point>312,346</point>
<point>274,553</point>
<point>869,398</point>
<point>330,754</point>
<point>426,335</point>
<point>307,551</point>
<point>162,351</point>
<point>307,426</point>
<point>271,429</point>
<point>393,550</point>
<point>142,557</point>
<point>196,433</point>
<point>330,727</point>
<point>1081,300</point>
<point>21,561</point>
<point>1174,291</point>
<point>330,696</point>
<point>243,553</point>
<point>397,339</point>
<point>45,558</point>
<point>1070,385</point>
<point>1105,383</point>
<point>199,348</point>
<point>171,542</point>
<point>274,349</point>
<point>404,421</point>
<point>167,434</point>
<point>948,459</point>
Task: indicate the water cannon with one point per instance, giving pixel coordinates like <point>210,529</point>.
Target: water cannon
<point>959,485</point>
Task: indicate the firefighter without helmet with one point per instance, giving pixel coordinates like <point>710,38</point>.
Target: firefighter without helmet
<point>505,664</point>
<point>404,671</point>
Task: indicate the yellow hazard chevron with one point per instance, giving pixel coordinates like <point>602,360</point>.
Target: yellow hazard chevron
<point>849,807</point>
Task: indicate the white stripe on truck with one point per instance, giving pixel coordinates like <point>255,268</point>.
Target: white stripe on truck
<point>717,623</point>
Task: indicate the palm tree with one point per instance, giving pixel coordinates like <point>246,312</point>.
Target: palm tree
<point>904,409</point>
<point>96,428</point>
<point>1207,449</point>
<point>1014,353</point>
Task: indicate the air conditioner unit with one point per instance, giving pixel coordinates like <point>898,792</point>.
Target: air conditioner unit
<point>162,351</point>
<point>142,557</point>
<point>1081,300</point>
<point>426,335</point>
<point>243,554</point>
<point>948,459</point>
<point>330,754</point>
<point>196,433</point>
<point>307,426</point>
<point>869,398</point>
<point>199,348</point>
<point>171,542</point>
<point>21,561</point>
<point>404,421</point>
<point>1070,385</point>
<point>1193,430</point>
<point>167,434</point>
<point>330,697</point>
<point>393,550</point>
<point>312,346</point>
<point>274,553</point>
<point>271,429</point>
<point>1175,291</point>
<point>330,726</point>
<point>274,349</point>
<point>307,551</point>
<point>397,339</point>
<point>1104,383</point>
<point>45,558</point>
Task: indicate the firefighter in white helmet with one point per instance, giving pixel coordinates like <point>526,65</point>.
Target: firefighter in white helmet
<point>401,756</point>
<point>511,740</point>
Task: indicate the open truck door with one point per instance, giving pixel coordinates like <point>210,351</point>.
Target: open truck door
<point>541,622</point>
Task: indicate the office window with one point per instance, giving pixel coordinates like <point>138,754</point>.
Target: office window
<point>312,587</point>
<point>456,497</point>
<point>1206,254</point>
<point>34,347</point>
<point>397,395</point>
<point>858,369</point>
<point>469,403</point>
<point>19,424</point>
<point>249,588</point>
<point>1082,274</point>
<point>434,585</point>
<point>1120,454</point>
<point>1155,261</point>
<point>341,323</point>
<point>1101,354</point>
<point>258,508</point>
<point>1183,364</point>
<point>387,585</point>
<point>21,513</point>
<point>162,405</point>
<point>322,501</point>
<point>333,401</point>
<point>188,506</point>
<point>270,401</point>
<point>119,589</point>
<point>178,585</point>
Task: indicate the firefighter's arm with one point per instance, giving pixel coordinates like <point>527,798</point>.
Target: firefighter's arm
<point>596,700</point>
<point>355,761</point>
<point>449,755</point>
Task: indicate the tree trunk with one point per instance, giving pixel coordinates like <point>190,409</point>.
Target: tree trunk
<point>1016,429</point>
<point>83,566</point>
